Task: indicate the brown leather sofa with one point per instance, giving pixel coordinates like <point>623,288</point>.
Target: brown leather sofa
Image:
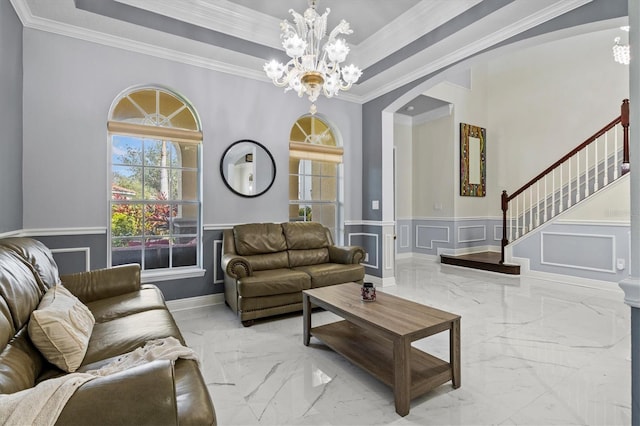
<point>127,315</point>
<point>267,265</point>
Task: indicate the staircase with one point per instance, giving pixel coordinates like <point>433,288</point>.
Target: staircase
<point>587,169</point>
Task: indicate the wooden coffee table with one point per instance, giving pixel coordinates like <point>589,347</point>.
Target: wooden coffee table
<point>377,336</point>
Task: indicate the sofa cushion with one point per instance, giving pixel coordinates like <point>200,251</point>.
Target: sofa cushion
<point>125,334</point>
<point>308,257</point>
<point>258,238</point>
<point>61,327</point>
<point>20,364</point>
<point>38,256</point>
<point>305,235</point>
<point>149,297</point>
<point>265,302</point>
<point>261,262</point>
<point>194,402</point>
<point>273,281</point>
<point>332,273</point>
<point>18,287</point>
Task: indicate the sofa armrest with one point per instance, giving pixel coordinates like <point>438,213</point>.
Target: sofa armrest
<point>103,283</point>
<point>346,254</point>
<point>236,266</point>
<point>142,395</point>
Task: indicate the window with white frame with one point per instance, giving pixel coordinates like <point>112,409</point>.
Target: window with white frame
<point>155,194</point>
<point>314,174</point>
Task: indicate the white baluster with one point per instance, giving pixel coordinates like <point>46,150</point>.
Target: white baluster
<point>615,154</point>
<point>544,216</point>
<point>538,203</point>
<point>577,177</point>
<point>518,217</point>
<point>531,224</point>
<point>595,176</point>
<point>586,171</point>
<point>606,159</point>
<point>561,189</point>
<point>553,193</point>
<point>511,224</point>
<point>569,185</point>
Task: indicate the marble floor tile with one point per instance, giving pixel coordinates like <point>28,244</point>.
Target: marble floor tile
<point>534,352</point>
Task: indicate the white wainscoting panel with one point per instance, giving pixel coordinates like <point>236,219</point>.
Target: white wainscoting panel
<point>217,255</point>
<point>404,236</point>
<point>566,250</point>
<point>470,238</point>
<point>85,250</point>
<point>431,240</point>
<point>365,234</point>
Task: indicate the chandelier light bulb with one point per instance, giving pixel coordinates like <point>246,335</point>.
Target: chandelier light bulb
<point>337,50</point>
<point>314,67</point>
<point>294,46</point>
<point>274,69</point>
<point>621,52</point>
<point>351,74</point>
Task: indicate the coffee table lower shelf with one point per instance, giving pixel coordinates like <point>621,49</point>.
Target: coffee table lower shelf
<point>375,354</point>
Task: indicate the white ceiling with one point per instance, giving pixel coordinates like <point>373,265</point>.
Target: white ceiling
<point>394,41</point>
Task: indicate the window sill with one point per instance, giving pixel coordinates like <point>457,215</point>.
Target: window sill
<point>147,277</point>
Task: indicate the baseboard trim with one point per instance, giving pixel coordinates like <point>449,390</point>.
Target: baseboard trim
<point>380,282</point>
<point>195,302</point>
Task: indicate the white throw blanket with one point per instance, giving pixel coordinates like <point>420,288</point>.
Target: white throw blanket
<point>42,404</point>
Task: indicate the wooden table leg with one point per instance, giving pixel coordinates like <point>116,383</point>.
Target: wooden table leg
<point>306,319</point>
<point>454,353</point>
<point>402,375</point>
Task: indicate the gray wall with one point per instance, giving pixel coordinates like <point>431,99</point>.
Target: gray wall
<point>69,86</point>
<point>10,119</point>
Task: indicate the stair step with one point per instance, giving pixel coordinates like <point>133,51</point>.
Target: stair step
<point>485,261</point>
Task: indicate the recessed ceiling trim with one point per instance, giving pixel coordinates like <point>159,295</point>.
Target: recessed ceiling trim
<point>411,25</point>
<point>543,15</point>
<point>218,15</point>
<point>35,22</point>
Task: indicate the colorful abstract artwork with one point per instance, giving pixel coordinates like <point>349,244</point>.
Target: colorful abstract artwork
<point>473,160</point>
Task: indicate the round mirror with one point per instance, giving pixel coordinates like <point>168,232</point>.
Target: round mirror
<point>248,168</point>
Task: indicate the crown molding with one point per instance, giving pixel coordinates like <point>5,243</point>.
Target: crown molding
<point>406,28</point>
<point>543,15</point>
<point>48,25</point>
<point>22,10</point>
<point>218,15</point>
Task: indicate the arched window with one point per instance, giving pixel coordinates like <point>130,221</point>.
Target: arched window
<point>315,162</point>
<point>155,199</point>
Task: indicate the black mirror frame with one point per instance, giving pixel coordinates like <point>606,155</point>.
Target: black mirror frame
<point>224,179</point>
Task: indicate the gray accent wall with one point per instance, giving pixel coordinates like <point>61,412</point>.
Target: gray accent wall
<point>10,119</point>
<point>69,86</point>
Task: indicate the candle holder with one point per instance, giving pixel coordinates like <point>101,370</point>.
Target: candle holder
<point>368,292</point>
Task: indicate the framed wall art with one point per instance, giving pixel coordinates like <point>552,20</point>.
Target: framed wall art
<point>473,160</point>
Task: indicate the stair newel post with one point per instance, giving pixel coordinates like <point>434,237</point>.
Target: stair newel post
<point>505,241</point>
<point>624,120</point>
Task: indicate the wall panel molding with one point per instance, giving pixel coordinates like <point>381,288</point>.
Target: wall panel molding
<point>567,254</point>
<point>431,240</point>
<point>471,239</point>
<point>85,250</point>
<point>217,255</point>
<point>365,234</point>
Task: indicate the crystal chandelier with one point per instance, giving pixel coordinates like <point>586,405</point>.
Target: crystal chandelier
<point>314,67</point>
<point>621,51</point>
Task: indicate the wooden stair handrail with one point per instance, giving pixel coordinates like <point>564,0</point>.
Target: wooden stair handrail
<point>622,119</point>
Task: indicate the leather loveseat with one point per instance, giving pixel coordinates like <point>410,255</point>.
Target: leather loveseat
<point>267,265</point>
<point>127,315</point>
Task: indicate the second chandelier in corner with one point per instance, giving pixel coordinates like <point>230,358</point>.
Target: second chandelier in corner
<point>314,67</point>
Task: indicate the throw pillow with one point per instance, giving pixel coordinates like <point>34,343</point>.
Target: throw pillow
<point>61,327</point>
